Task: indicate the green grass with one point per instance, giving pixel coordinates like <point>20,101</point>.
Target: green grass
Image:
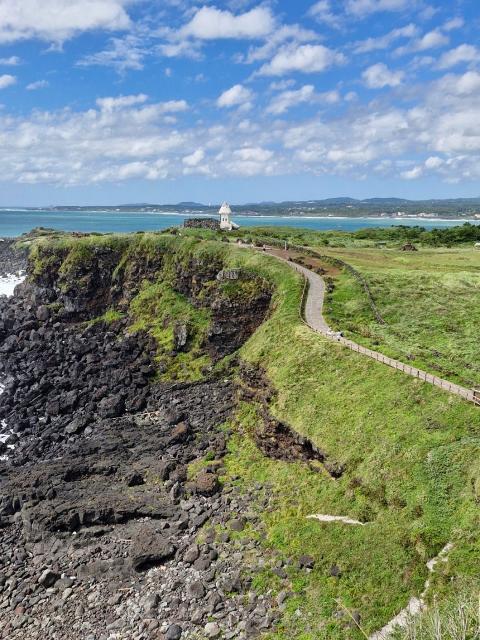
<point>111,315</point>
<point>457,618</point>
<point>410,453</point>
<point>431,304</point>
<point>392,237</point>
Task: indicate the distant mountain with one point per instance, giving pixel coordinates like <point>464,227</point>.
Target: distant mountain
<point>456,208</point>
<point>190,204</point>
<point>386,201</point>
<point>338,201</point>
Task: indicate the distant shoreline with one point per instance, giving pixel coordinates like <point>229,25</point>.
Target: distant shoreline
<point>201,214</point>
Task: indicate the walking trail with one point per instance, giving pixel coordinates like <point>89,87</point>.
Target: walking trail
<point>313,316</point>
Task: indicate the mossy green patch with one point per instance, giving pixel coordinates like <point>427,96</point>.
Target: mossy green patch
<point>111,315</point>
<point>157,309</point>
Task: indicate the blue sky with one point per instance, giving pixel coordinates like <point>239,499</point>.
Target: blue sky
<point>114,101</point>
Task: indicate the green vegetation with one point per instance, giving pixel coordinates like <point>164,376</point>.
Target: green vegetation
<point>111,315</point>
<point>195,467</point>
<point>457,618</point>
<point>430,302</point>
<point>391,237</point>
<point>158,309</point>
<point>410,451</point>
<point>410,454</point>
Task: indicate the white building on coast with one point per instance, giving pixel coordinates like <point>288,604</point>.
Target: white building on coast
<point>225,223</point>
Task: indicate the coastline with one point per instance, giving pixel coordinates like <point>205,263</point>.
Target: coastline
<point>203,214</point>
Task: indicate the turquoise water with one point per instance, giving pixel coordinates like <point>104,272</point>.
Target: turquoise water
<point>15,222</point>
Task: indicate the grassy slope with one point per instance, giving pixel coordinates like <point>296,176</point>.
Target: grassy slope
<point>410,454</point>
<point>430,301</point>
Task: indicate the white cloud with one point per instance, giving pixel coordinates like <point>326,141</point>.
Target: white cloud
<point>323,12</point>
<point>412,174</point>
<point>238,95</point>
<point>7,81</point>
<point>306,94</point>
<point>210,23</point>
<point>431,40</point>
<point>379,75</point>
<point>125,137</point>
<point>39,84</point>
<point>384,42</point>
<point>58,20</point>
<point>253,154</point>
<point>466,84</point>
<point>454,23</point>
<point>307,58</point>
<point>12,61</point>
<point>462,53</point>
<point>250,161</point>
<point>194,159</point>
<point>109,104</point>
<point>290,33</point>
<point>287,99</point>
<point>282,85</point>
<point>182,49</point>
<point>95,145</point>
<point>363,8</point>
<point>433,162</point>
<point>123,54</point>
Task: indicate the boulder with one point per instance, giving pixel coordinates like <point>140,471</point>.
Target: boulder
<point>111,407</point>
<point>48,578</point>
<point>212,630</point>
<point>174,632</point>
<point>306,562</point>
<point>150,548</point>
<point>205,484</point>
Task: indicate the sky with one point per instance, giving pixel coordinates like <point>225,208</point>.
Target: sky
<point>128,101</point>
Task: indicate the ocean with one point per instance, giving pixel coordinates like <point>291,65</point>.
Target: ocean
<point>15,222</point>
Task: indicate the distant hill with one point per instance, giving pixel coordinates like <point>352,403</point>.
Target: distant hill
<point>341,206</point>
<point>190,204</point>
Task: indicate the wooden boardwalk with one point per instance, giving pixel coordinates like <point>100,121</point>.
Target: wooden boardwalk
<point>313,316</point>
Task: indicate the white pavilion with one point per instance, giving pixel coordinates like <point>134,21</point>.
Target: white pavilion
<point>225,223</point>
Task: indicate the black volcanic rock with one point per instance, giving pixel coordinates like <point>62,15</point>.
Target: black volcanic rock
<point>96,510</point>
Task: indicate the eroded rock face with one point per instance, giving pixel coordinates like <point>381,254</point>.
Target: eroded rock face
<point>11,259</point>
<point>98,516</point>
<point>60,378</point>
<point>71,287</point>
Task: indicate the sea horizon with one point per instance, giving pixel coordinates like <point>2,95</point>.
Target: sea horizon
<point>15,222</point>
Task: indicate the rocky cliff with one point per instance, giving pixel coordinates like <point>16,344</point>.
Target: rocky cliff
<point>108,361</point>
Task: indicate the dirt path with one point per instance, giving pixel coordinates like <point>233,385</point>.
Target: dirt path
<point>313,316</point>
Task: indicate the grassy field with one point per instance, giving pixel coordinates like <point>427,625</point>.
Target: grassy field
<point>430,301</point>
<point>411,457</point>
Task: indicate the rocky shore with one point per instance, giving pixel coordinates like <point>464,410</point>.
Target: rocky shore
<point>116,520</point>
<point>11,261</point>
<point>13,264</point>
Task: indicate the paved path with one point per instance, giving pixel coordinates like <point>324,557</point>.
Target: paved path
<point>313,316</point>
